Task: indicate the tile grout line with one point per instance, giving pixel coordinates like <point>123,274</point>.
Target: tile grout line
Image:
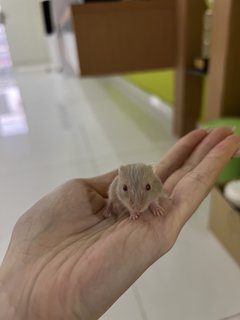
<point>87,144</point>
<point>231,317</point>
<point>139,302</point>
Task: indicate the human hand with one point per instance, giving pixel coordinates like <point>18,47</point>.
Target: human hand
<point>65,261</point>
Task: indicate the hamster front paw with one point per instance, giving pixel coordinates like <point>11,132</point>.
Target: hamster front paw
<point>134,215</point>
<point>108,211</point>
<point>157,210</point>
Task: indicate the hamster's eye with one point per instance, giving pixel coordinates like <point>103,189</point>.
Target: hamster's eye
<point>148,187</point>
<point>125,188</point>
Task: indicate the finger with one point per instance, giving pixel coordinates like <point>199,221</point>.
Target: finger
<point>202,149</point>
<point>178,153</point>
<point>195,186</point>
<point>101,183</point>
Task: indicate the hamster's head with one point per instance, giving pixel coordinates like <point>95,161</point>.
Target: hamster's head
<point>138,186</point>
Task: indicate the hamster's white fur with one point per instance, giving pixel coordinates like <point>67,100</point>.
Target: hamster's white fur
<point>137,188</point>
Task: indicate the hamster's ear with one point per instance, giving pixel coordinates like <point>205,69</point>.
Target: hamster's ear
<point>121,169</point>
<point>150,168</point>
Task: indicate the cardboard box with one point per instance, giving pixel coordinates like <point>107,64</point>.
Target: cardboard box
<point>225,223</point>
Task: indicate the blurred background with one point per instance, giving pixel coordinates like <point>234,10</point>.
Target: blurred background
<point>88,85</point>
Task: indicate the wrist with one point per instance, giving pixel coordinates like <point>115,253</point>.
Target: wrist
<point>7,310</point>
<point>11,297</point>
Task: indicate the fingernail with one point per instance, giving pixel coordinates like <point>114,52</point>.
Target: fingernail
<point>237,154</point>
<point>209,130</point>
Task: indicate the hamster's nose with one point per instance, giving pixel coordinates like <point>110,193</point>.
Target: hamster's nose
<point>131,202</point>
<point>133,205</point>
<point>137,206</point>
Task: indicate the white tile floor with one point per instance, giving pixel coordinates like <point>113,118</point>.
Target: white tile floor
<point>83,128</point>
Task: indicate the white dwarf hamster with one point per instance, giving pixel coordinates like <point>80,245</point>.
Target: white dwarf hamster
<point>137,188</point>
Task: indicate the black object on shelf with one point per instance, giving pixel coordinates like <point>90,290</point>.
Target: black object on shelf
<point>47,14</point>
<point>201,64</point>
<point>199,68</point>
<point>197,72</point>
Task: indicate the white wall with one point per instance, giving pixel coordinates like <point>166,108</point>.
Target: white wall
<point>25,32</point>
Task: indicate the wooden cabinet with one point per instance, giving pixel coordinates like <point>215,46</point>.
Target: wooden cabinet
<point>223,91</point>
<point>124,36</point>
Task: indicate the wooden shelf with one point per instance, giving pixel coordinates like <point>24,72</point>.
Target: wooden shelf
<point>223,96</point>
<point>196,72</point>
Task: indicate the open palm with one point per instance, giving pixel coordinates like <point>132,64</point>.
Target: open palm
<point>65,261</point>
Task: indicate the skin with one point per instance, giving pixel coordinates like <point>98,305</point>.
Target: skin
<point>65,261</point>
